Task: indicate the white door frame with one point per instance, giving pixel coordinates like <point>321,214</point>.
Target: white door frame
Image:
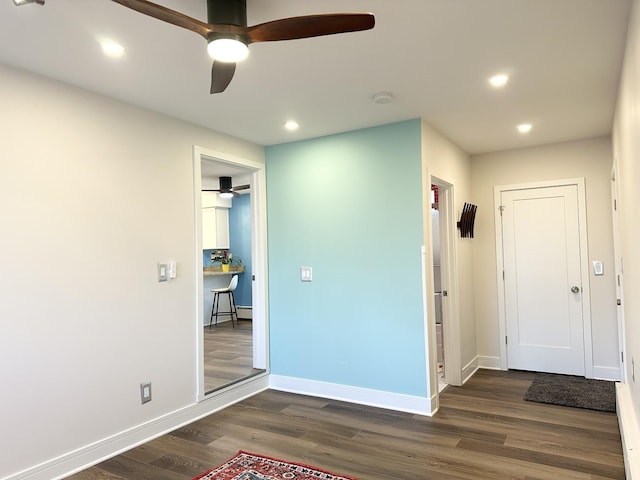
<point>584,266</point>
<point>260,318</point>
<point>618,270</point>
<point>449,280</point>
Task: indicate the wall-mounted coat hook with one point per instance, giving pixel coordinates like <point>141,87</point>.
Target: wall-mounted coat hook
<point>467,220</point>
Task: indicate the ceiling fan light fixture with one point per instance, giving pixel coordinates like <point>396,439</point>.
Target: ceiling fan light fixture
<point>226,187</point>
<point>228,50</point>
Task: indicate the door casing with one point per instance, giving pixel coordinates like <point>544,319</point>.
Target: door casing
<point>618,269</point>
<point>260,319</point>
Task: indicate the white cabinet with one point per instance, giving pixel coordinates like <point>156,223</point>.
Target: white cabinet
<point>215,228</point>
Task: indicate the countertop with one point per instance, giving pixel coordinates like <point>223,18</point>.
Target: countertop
<point>217,270</point>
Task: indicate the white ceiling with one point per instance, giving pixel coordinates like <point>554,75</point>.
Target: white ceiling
<point>434,56</point>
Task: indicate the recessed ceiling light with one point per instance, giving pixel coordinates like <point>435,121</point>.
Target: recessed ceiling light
<point>24,2</point>
<point>499,81</point>
<point>112,49</point>
<point>291,125</point>
<point>525,127</point>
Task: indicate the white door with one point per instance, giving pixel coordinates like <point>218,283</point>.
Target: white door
<point>542,280</point>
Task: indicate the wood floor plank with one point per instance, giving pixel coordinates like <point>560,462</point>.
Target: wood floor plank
<point>483,431</point>
<point>228,354</point>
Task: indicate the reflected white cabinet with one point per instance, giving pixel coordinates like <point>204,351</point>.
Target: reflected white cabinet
<point>215,228</point>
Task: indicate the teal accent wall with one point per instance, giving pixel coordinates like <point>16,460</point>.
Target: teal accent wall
<point>240,245</point>
<point>349,206</point>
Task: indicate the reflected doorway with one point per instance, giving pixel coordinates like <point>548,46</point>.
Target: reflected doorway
<point>445,282</point>
<point>232,345</point>
<point>437,285</point>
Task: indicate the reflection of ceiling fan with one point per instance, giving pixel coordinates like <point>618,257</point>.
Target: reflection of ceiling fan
<point>229,36</point>
<point>227,190</point>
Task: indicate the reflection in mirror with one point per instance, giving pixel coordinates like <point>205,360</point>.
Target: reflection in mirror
<point>227,275</point>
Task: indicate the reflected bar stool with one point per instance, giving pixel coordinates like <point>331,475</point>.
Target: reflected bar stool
<point>215,308</point>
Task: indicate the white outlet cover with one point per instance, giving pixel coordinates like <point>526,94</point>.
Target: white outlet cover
<point>306,274</point>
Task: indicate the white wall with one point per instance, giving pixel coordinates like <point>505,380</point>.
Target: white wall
<point>590,159</point>
<point>627,150</point>
<point>93,193</point>
<point>444,160</point>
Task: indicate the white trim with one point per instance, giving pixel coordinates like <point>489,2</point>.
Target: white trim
<point>584,265</point>
<point>259,258</point>
<point>489,363</point>
<point>619,281</point>
<point>606,373</point>
<point>429,330</point>
<point>452,337</point>
<point>358,395</point>
<point>449,281</point>
<point>629,431</point>
<point>85,457</point>
<point>469,369</point>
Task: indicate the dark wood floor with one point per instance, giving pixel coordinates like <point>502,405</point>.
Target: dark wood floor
<point>484,430</point>
<point>228,354</point>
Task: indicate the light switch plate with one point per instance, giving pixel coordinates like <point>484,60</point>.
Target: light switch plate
<point>162,272</point>
<point>306,274</point>
<point>598,268</point>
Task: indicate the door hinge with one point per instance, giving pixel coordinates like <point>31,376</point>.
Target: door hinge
<point>506,340</point>
<point>503,275</point>
<point>618,280</point>
<point>622,357</point>
<point>618,302</point>
<point>501,208</point>
<point>615,204</point>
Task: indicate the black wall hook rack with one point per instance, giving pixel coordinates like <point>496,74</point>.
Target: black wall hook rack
<point>467,220</point>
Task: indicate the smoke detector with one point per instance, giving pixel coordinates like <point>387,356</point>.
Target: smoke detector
<point>382,97</point>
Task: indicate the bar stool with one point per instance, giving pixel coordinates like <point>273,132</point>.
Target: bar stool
<point>215,308</point>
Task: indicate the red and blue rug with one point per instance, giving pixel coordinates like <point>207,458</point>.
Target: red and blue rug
<point>249,466</point>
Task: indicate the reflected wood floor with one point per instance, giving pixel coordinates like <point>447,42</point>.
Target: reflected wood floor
<point>484,430</point>
<point>228,354</point>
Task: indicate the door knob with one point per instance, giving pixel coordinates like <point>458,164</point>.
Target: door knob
<point>575,289</point>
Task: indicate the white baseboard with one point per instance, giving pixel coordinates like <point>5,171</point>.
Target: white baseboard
<point>629,431</point>
<point>94,453</point>
<point>489,363</point>
<point>606,373</point>
<point>362,396</point>
<point>469,369</point>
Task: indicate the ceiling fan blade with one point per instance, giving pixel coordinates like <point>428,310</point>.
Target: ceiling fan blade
<point>210,190</point>
<point>167,15</point>
<point>221,75</point>
<point>241,187</point>
<point>310,26</point>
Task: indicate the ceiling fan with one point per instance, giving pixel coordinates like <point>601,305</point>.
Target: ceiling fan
<point>229,36</point>
<point>227,190</point>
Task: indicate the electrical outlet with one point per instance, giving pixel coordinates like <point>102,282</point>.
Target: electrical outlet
<point>145,392</point>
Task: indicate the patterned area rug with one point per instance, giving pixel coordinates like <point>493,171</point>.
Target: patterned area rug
<point>571,391</point>
<point>249,466</point>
